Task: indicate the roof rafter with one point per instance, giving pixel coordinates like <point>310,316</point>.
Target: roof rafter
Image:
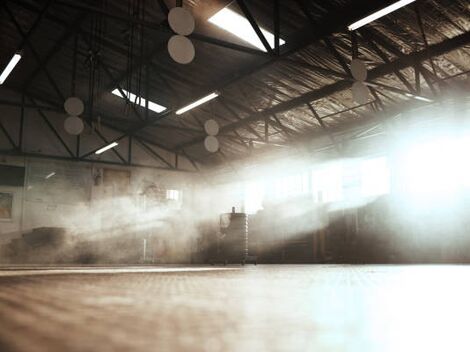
<point>402,62</point>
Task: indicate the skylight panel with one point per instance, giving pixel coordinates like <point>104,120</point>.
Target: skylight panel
<point>238,25</point>
<point>141,101</point>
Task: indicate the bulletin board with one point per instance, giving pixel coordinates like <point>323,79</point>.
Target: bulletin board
<point>58,182</point>
<point>6,206</point>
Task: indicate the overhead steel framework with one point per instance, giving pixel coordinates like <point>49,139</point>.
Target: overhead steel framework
<point>239,115</point>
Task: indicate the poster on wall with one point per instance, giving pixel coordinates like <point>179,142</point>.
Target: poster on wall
<point>6,206</point>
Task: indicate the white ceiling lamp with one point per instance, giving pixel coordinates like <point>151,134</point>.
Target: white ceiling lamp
<point>359,70</point>
<point>197,103</point>
<point>50,175</point>
<point>181,49</point>
<point>109,146</point>
<point>211,127</point>
<point>239,26</point>
<point>181,21</point>
<point>11,65</point>
<point>73,125</point>
<point>142,102</point>
<point>360,92</point>
<point>211,144</point>
<point>419,97</point>
<point>381,13</point>
<point>74,106</point>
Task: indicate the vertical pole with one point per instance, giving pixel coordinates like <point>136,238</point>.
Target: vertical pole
<point>277,25</point>
<point>147,98</point>
<point>354,46</point>
<point>145,250</point>
<point>266,130</point>
<point>417,80</point>
<point>72,88</point>
<point>129,150</point>
<point>20,140</point>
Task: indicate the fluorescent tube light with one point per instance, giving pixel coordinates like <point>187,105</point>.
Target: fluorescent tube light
<point>50,175</point>
<point>381,13</point>
<point>419,97</point>
<point>197,103</point>
<point>238,25</point>
<point>11,65</point>
<point>109,146</point>
<point>133,98</point>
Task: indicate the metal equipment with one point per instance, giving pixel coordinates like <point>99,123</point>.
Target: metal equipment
<point>233,247</point>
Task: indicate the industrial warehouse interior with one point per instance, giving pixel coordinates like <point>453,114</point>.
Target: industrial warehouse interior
<point>247,175</point>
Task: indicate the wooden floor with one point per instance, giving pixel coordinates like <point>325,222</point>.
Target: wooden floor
<point>263,308</point>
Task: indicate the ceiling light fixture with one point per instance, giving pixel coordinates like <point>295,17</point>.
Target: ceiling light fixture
<point>381,13</point>
<point>109,146</point>
<point>141,101</point>
<point>197,103</point>
<point>11,65</point>
<point>238,25</point>
<point>419,97</point>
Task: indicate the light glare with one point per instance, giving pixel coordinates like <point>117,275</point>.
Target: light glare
<point>375,177</point>
<point>436,167</point>
<point>327,183</point>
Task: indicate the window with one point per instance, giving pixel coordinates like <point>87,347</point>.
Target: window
<point>173,194</point>
<point>291,186</point>
<point>327,183</point>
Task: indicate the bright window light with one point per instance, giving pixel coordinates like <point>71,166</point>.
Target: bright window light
<point>109,146</point>
<point>141,101</point>
<point>197,103</point>
<point>238,25</point>
<point>253,197</point>
<point>291,186</point>
<point>327,183</point>
<point>437,166</point>
<point>381,13</point>
<point>11,65</point>
<point>375,177</point>
<point>173,194</point>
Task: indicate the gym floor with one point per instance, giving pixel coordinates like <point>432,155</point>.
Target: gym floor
<point>251,308</point>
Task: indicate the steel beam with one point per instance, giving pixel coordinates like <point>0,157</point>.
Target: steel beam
<point>10,139</point>
<point>88,161</point>
<point>254,25</point>
<point>400,63</point>
<point>27,41</point>
<point>154,154</point>
<point>54,131</point>
<point>71,30</point>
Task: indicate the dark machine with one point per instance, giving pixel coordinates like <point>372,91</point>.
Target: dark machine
<point>233,241</point>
